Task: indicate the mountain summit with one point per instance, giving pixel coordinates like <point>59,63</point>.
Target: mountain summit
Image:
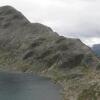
<point>38,45</point>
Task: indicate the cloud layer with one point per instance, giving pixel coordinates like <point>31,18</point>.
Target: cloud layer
<point>72,18</point>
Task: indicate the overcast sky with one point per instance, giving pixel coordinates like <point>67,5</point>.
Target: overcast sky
<point>71,18</point>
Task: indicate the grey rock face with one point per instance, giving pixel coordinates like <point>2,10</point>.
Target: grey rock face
<point>38,44</point>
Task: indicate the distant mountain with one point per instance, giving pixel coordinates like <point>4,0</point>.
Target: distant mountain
<point>96,49</point>
<point>33,47</point>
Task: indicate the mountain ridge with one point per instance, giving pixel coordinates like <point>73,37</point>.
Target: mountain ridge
<point>14,35</point>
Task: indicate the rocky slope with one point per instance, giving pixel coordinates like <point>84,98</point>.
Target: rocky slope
<point>33,47</point>
<point>38,44</point>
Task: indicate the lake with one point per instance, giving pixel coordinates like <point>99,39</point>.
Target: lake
<point>14,86</point>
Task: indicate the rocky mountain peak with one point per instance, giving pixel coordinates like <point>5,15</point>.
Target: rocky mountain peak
<point>38,45</point>
<point>9,16</point>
